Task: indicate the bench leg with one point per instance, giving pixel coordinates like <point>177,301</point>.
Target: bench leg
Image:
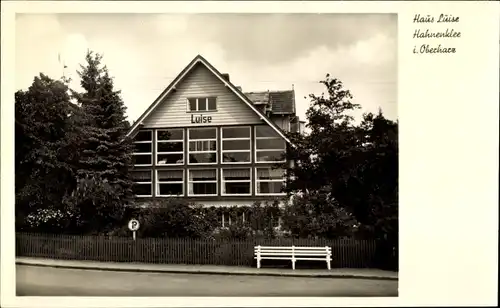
<point>258,262</point>
<point>293,264</point>
<point>328,264</point>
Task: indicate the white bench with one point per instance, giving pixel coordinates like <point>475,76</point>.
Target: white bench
<point>293,253</point>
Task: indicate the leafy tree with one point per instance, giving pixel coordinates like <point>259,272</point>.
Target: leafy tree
<point>45,164</point>
<point>106,152</point>
<point>327,148</point>
<point>353,166</point>
<point>373,187</point>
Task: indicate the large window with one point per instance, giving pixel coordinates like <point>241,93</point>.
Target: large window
<point>169,183</point>
<point>202,182</point>
<point>269,181</point>
<point>143,148</point>
<point>202,146</point>
<point>143,186</point>
<point>236,181</point>
<point>269,146</point>
<point>199,104</point>
<point>235,144</point>
<point>170,147</point>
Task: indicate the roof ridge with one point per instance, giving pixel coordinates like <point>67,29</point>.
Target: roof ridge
<point>270,91</point>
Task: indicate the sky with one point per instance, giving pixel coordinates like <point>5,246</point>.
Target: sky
<point>145,52</point>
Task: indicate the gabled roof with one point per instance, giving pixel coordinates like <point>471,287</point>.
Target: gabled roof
<point>279,102</point>
<point>211,68</point>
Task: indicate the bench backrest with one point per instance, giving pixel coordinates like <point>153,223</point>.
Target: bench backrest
<point>293,250</point>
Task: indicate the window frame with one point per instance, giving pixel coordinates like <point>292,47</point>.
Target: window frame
<point>216,181</point>
<point>147,182</point>
<point>223,182</point>
<point>222,151</point>
<point>189,152</point>
<point>188,105</point>
<point>158,182</point>
<point>144,154</point>
<point>257,181</point>
<point>256,150</point>
<point>169,141</point>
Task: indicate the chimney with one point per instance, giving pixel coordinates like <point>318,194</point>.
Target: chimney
<point>225,76</point>
<point>239,88</point>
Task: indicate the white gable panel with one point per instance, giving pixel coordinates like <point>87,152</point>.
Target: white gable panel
<point>200,82</point>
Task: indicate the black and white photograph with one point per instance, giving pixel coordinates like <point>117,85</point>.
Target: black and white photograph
<point>262,148</point>
<point>243,153</point>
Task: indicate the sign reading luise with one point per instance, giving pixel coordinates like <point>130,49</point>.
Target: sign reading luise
<point>200,119</point>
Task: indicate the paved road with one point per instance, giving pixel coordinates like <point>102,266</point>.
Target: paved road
<point>47,281</point>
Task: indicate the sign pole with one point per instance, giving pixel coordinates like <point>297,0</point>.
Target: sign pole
<point>133,226</point>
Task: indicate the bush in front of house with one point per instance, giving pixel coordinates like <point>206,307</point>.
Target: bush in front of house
<point>175,218</point>
<point>179,218</point>
<point>317,215</point>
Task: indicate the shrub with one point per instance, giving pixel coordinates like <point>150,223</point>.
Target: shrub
<point>96,206</point>
<point>317,215</point>
<point>176,218</point>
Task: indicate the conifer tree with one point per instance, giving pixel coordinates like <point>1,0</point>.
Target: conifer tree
<point>104,186</point>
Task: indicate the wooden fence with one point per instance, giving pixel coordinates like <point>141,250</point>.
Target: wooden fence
<point>347,253</point>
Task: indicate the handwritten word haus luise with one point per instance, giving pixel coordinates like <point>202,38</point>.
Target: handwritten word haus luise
<point>205,140</point>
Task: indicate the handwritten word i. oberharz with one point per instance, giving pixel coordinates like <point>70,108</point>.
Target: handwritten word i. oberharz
<point>428,33</point>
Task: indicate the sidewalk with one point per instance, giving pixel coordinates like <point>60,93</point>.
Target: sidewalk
<point>211,269</point>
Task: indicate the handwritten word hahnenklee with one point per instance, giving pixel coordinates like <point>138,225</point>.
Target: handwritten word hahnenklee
<point>439,34</point>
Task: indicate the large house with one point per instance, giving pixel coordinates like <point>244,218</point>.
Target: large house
<point>206,140</point>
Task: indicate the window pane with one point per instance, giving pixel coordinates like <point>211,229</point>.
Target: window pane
<point>192,104</point>
<point>202,104</point>
<point>170,189</point>
<point>265,131</point>
<point>141,176</point>
<point>270,174</point>
<point>237,188</point>
<point>202,158</point>
<point>144,136</point>
<point>263,144</point>
<point>171,134</point>
<point>236,174</point>
<point>270,156</point>
<point>212,103</point>
<point>170,147</point>
<point>170,175</point>
<point>141,159</point>
<point>236,157</point>
<point>142,189</point>
<point>164,159</point>
<point>203,188</point>
<point>198,146</point>
<point>203,175</point>
<point>142,147</point>
<point>209,133</point>
<point>236,132</point>
<point>236,145</point>
<point>269,187</point>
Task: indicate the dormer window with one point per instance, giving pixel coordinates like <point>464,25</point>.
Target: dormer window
<point>200,104</point>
